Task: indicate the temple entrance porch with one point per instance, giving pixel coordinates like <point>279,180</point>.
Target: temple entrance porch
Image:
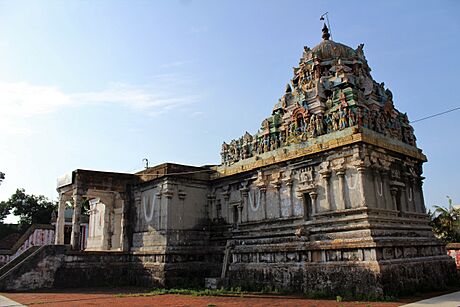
<point>105,215</point>
<point>106,196</point>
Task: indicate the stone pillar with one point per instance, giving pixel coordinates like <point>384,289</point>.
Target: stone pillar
<point>92,216</point>
<point>411,195</point>
<point>159,209</point>
<point>384,179</point>
<point>288,183</point>
<point>277,186</point>
<point>110,223</point>
<point>326,175</point>
<point>181,194</point>
<point>218,209</point>
<point>168,193</point>
<point>124,237</point>
<point>60,220</point>
<point>314,209</point>
<point>341,201</point>
<point>394,192</point>
<point>75,236</point>
<point>378,189</point>
<point>404,193</point>
<point>262,185</point>
<point>240,213</point>
<point>210,205</point>
<point>422,199</point>
<point>245,203</point>
<point>106,233</point>
<point>362,184</point>
<point>263,190</point>
<point>226,196</point>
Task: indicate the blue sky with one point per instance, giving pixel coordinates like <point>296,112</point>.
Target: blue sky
<point>103,84</point>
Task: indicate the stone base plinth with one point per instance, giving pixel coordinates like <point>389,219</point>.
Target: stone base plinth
<point>360,279</point>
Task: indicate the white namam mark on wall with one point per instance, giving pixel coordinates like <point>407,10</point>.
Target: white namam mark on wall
<point>254,200</point>
<point>350,179</point>
<point>380,190</point>
<point>148,201</point>
<point>411,194</point>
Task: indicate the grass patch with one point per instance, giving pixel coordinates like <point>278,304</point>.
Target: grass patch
<point>192,292</point>
<point>322,294</point>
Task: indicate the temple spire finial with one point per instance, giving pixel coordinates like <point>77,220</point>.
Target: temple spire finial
<point>326,29</point>
<point>326,34</point>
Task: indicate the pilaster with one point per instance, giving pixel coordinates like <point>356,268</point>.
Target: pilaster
<point>387,198</point>
<point>226,197</point>
<point>326,176</point>
<point>210,204</point>
<point>60,220</point>
<point>244,190</point>
<point>262,185</point>
<point>394,192</point>
<point>124,236</point>
<point>75,235</point>
<point>313,196</point>
<point>341,201</point>
<point>422,198</point>
<point>378,188</point>
<point>361,168</point>
<point>276,183</point>
<point>288,181</point>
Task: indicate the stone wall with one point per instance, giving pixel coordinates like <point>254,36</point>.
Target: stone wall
<point>55,266</point>
<point>170,212</point>
<point>339,220</point>
<point>36,235</point>
<point>36,272</point>
<point>336,262</point>
<point>346,222</point>
<point>88,269</point>
<point>353,177</point>
<point>453,250</point>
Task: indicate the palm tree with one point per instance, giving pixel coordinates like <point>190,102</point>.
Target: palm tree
<point>446,222</point>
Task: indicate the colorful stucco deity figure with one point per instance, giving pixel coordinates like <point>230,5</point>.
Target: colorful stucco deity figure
<point>334,89</point>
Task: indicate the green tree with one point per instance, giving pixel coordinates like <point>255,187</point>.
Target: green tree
<point>446,222</point>
<point>31,209</point>
<point>2,176</point>
<point>4,211</point>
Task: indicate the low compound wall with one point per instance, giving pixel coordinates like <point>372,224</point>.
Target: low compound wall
<point>36,235</point>
<point>56,266</point>
<point>453,250</point>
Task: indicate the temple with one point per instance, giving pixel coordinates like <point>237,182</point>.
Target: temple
<point>325,198</point>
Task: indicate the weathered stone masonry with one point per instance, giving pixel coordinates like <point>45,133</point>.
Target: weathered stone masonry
<point>326,197</point>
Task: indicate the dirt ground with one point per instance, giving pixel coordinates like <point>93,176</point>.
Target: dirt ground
<point>113,297</point>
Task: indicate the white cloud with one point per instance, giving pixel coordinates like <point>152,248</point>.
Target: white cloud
<point>136,97</point>
<point>22,100</point>
<point>25,100</point>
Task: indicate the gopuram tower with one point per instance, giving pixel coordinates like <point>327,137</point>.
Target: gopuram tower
<point>327,196</point>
